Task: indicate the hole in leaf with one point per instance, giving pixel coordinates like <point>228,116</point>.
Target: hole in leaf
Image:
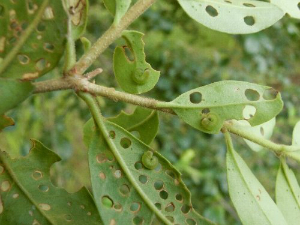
<point>14,25</point>
<point>49,47</point>
<point>205,111</point>
<point>262,131</point>
<point>101,158</point>
<point>143,179</point>
<point>41,27</point>
<point>158,185</point>
<point>107,202</point>
<point>164,195</point>
<point>179,197</point>
<point>40,64</point>
<point>252,95</point>
<point>158,205</point>
<point>118,207</point>
<point>170,218</point>
<point>31,7</point>
<point>248,112</point>
<point>112,134</point>
<point>248,5</point>
<point>171,174</point>
<point>270,94</point>
<point>128,53</point>
<point>170,207</point>
<point>118,173</point>
<point>1,169</point>
<point>249,20</point>
<point>5,186</point>
<point>211,11</point>
<point>138,220</point>
<point>102,176</point>
<point>135,207</point>
<point>43,188</point>
<point>299,5</point>
<point>68,217</point>
<point>196,97</point>
<point>228,1</point>
<point>37,175</point>
<point>110,156</point>
<point>124,189</point>
<point>191,221</point>
<point>125,143</point>
<point>138,165</point>
<point>185,208</point>
<point>23,59</point>
<point>2,10</point>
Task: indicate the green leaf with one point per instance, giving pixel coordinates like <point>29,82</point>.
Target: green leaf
<point>250,199</point>
<point>5,122</point>
<point>126,192</point>
<point>292,7</point>
<point>206,108</point>
<point>27,195</point>
<point>32,37</point>
<point>264,130</point>
<point>234,16</point>
<point>78,14</point>
<point>142,122</point>
<point>288,194</point>
<point>118,8</point>
<point>296,142</point>
<point>135,75</point>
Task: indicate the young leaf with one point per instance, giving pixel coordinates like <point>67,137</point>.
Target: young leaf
<point>264,130</point>
<point>135,75</point>
<point>78,14</point>
<point>234,16</point>
<point>206,108</point>
<point>288,194</point>
<point>142,121</point>
<point>32,37</point>
<point>27,195</point>
<point>292,7</point>
<point>118,8</point>
<point>250,199</point>
<point>128,190</point>
<point>296,142</point>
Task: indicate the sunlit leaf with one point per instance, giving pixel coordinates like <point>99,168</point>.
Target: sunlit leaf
<point>288,194</point>
<point>264,130</point>
<point>206,108</point>
<point>233,16</point>
<point>250,199</point>
<point>126,192</point>
<point>28,51</point>
<point>292,7</point>
<point>118,8</point>
<point>134,75</point>
<point>27,195</point>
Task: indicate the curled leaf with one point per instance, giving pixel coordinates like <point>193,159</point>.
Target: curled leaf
<point>206,108</point>
<point>288,194</point>
<point>292,7</point>
<point>118,8</point>
<point>26,187</point>
<point>234,16</point>
<point>135,75</point>
<point>126,192</point>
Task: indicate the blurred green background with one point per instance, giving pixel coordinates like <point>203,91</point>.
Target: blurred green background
<point>188,56</point>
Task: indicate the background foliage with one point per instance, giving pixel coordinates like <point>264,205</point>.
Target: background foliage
<point>188,56</point>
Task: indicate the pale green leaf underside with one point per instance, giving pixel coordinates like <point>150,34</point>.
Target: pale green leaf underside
<point>44,46</point>
<point>118,8</point>
<point>233,16</point>
<point>226,100</point>
<point>292,7</point>
<point>264,130</point>
<point>140,195</point>
<point>288,194</point>
<point>125,69</point>
<point>249,197</point>
<point>296,142</point>
<point>28,197</point>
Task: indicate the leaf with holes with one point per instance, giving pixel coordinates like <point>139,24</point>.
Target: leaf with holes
<point>233,16</point>
<point>134,75</point>
<point>32,37</point>
<point>250,199</point>
<point>292,7</point>
<point>296,142</point>
<point>12,93</point>
<point>288,194</point>
<point>132,184</point>
<point>118,8</point>
<point>264,130</point>
<point>206,108</point>
<point>78,16</point>
<point>27,195</point>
